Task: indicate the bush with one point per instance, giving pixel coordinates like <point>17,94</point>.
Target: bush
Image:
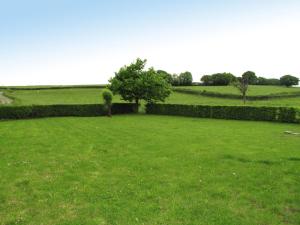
<point>38,111</point>
<point>278,114</point>
<point>107,97</point>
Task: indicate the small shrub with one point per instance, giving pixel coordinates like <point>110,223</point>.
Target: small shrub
<point>107,98</point>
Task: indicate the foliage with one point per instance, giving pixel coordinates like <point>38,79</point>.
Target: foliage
<point>134,83</point>
<point>278,114</point>
<point>166,75</point>
<point>107,99</point>
<point>289,80</point>
<point>185,79</point>
<point>250,77</point>
<point>37,111</point>
<point>218,79</point>
<point>207,80</point>
<point>266,81</point>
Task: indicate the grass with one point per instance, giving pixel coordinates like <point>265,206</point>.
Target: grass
<point>58,96</point>
<point>253,89</point>
<point>142,169</point>
<point>93,95</point>
<point>180,98</point>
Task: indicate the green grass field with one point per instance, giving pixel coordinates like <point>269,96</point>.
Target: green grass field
<point>142,169</point>
<point>253,89</point>
<point>58,96</point>
<point>93,95</point>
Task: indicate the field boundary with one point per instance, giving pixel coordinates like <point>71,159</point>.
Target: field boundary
<point>85,110</point>
<point>275,114</point>
<point>235,96</point>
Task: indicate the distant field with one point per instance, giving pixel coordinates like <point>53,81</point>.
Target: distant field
<point>58,96</point>
<point>253,89</point>
<point>144,169</point>
<point>180,98</point>
<point>93,95</point>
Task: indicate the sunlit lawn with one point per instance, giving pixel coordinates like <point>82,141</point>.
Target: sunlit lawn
<point>144,169</point>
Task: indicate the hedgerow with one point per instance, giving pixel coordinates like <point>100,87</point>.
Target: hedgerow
<point>279,114</point>
<point>37,111</point>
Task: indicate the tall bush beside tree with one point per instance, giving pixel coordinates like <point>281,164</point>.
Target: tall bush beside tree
<point>289,80</point>
<point>107,99</point>
<point>134,84</point>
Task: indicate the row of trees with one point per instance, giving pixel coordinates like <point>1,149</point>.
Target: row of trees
<point>183,79</point>
<point>223,79</point>
<point>134,83</point>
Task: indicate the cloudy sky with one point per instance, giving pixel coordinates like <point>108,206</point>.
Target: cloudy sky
<point>86,41</point>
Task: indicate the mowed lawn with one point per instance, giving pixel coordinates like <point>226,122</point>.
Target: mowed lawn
<point>94,96</point>
<point>142,169</point>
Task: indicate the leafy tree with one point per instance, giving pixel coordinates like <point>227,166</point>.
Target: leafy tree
<point>207,80</point>
<point>134,83</point>
<point>107,98</point>
<point>289,80</point>
<point>266,81</point>
<point>251,77</point>
<point>185,79</point>
<point>168,77</point>
<point>273,81</point>
<point>175,80</point>
<point>242,84</point>
<point>222,79</point>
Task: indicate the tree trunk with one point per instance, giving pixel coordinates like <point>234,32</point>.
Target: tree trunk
<point>136,105</point>
<point>244,98</point>
<point>109,111</point>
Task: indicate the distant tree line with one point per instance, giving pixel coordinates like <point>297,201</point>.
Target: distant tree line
<point>223,79</point>
<point>183,79</point>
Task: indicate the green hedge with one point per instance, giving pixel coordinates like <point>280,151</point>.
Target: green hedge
<point>37,111</point>
<point>279,114</point>
<point>235,96</point>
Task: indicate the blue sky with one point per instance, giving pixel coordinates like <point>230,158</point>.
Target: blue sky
<point>83,42</point>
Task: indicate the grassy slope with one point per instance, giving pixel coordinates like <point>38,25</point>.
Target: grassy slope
<point>179,98</point>
<point>253,89</point>
<point>58,96</point>
<point>148,170</point>
<point>90,95</point>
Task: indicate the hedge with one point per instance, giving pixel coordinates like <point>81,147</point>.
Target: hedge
<point>235,96</point>
<point>38,111</point>
<point>279,114</point>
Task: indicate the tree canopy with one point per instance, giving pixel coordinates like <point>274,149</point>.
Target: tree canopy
<point>134,83</point>
<point>289,80</point>
<point>251,77</point>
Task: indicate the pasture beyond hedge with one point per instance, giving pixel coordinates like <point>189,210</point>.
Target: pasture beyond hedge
<point>94,96</point>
